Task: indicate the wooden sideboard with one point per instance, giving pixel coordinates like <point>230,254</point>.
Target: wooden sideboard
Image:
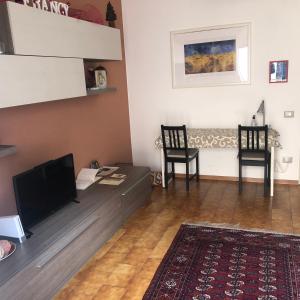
<point>63,242</point>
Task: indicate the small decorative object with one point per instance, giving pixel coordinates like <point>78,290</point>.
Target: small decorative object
<point>156,178</point>
<point>88,13</point>
<point>278,71</point>
<point>118,176</point>
<point>100,78</point>
<point>6,249</point>
<point>261,110</point>
<point>96,78</point>
<point>90,77</point>
<point>253,121</point>
<point>2,47</point>
<point>211,56</point>
<point>52,6</point>
<point>111,16</point>
<point>94,164</point>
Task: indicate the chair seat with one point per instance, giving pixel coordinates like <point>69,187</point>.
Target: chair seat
<point>253,151</point>
<point>255,156</point>
<point>176,150</point>
<point>181,153</point>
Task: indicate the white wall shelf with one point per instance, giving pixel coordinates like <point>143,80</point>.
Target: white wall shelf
<point>30,31</point>
<point>6,150</point>
<point>100,91</point>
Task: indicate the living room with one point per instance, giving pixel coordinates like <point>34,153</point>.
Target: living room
<point>121,126</point>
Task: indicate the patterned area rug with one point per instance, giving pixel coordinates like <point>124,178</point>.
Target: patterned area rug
<point>219,264</point>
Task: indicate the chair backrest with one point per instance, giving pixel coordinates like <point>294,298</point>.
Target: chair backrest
<point>174,138</point>
<point>253,138</point>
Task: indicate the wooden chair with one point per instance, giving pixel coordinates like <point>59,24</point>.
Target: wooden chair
<point>253,151</point>
<point>175,147</point>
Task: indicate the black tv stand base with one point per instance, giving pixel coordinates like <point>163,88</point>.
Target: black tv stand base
<point>28,233</point>
<point>75,201</point>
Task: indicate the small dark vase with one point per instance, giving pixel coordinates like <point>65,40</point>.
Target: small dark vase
<point>111,16</point>
<point>112,24</point>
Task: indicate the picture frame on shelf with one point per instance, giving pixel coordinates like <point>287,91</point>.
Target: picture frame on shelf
<point>278,71</point>
<point>101,79</point>
<point>211,56</point>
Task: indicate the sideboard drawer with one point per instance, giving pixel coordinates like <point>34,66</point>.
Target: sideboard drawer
<point>47,274</point>
<point>136,195</point>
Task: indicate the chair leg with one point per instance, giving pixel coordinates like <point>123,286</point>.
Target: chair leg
<point>240,178</point>
<point>187,176</point>
<point>265,179</point>
<point>166,175</point>
<point>269,173</point>
<point>197,167</point>
<point>173,171</point>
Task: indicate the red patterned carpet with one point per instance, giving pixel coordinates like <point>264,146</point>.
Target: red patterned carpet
<point>219,264</point>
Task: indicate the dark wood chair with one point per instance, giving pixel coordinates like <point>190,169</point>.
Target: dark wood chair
<point>175,147</point>
<point>253,151</point>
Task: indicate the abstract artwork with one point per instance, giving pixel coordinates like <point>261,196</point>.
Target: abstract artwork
<point>219,56</point>
<point>211,56</point>
<point>278,71</point>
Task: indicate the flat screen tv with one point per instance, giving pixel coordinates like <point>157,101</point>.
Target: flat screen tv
<point>44,189</point>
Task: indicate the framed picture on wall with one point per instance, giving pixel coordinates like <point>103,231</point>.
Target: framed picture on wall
<point>278,71</point>
<point>211,56</point>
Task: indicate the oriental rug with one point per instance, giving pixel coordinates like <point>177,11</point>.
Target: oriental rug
<point>217,263</point>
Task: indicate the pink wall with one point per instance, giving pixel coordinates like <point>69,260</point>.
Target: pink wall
<point>95,127</point>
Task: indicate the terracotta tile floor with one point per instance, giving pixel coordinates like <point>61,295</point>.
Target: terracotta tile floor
<point>124,266</point>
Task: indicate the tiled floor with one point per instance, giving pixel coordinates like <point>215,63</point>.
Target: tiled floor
<point>124,266</point>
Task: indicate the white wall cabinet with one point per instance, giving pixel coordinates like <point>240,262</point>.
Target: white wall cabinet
<point>46,53</point>
<point>32,79</point>
<point>30,31</point>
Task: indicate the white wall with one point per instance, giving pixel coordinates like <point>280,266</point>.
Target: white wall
<point>153,101</point>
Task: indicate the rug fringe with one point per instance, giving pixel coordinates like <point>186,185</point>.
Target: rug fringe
<point>237,226</point>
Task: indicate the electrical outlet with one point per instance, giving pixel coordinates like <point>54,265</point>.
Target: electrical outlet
<point>289,114</point>
<point>287,159</point>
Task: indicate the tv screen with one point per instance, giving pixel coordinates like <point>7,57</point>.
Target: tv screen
<point>44,189</point>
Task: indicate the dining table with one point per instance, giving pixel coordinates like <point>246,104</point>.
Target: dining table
<point>210,138</point>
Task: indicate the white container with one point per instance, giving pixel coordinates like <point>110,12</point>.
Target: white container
<point>11,226</point>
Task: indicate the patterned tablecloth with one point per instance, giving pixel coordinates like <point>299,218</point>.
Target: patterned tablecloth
<point>219,138</point>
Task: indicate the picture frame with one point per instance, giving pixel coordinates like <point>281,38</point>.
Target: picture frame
<point>278,71</point>
<point>101,79</point>
<point>211,56</point>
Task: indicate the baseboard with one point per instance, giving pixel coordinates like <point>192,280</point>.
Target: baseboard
<point>245,179</point>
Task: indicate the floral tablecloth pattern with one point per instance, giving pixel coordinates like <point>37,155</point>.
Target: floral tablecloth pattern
<point>219,138</point>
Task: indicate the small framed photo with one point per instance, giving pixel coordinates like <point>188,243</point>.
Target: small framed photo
<point>101,79</point>
<point>278,71</point>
